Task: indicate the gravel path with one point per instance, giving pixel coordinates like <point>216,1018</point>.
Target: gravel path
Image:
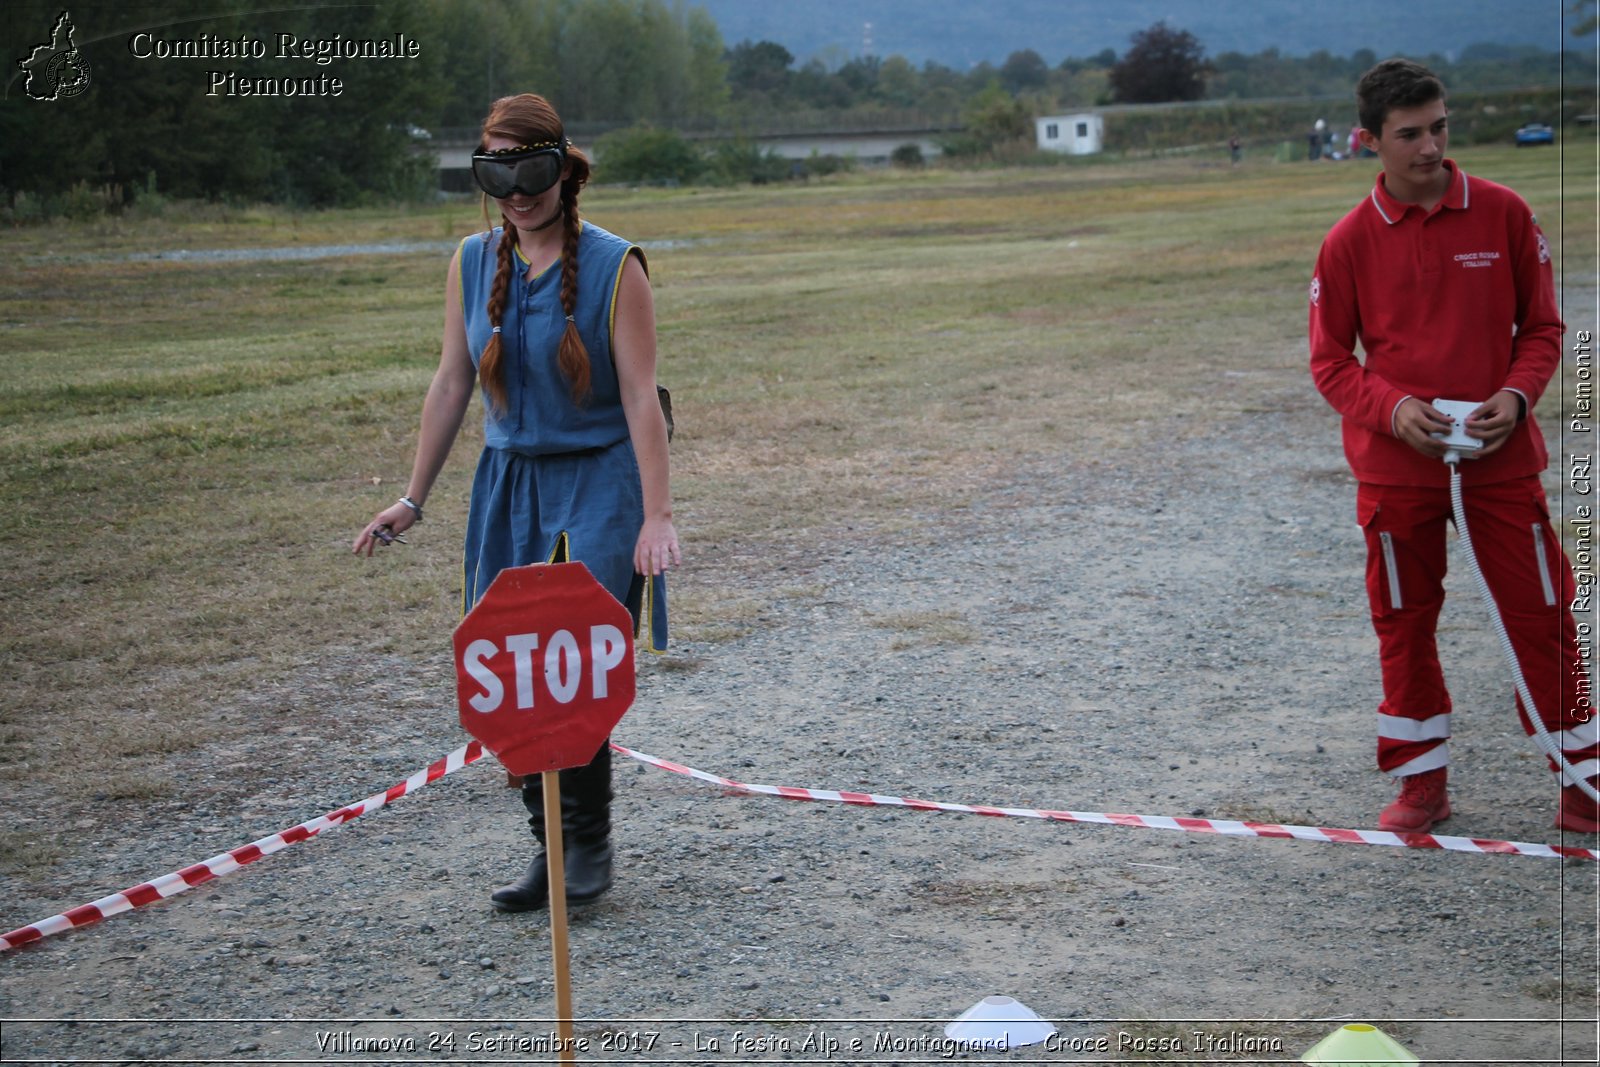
<point>1106,633</point>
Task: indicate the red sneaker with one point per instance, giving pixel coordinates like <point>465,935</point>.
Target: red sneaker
<point>1579,812</point>
<point>1421,803</point>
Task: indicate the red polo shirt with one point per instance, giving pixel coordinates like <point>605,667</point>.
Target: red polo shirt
<point>1455,303</point>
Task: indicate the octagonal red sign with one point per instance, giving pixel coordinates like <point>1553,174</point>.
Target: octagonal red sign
<point>544,667</point>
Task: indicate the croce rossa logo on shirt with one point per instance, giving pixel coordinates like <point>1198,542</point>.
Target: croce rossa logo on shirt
<point>1477,259</point>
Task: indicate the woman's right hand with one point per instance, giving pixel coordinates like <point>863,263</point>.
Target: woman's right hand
<point>397,517</point>
<point>442,409</point>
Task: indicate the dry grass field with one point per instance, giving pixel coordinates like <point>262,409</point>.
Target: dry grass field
<point>991,486</point>
<point>187,442</point>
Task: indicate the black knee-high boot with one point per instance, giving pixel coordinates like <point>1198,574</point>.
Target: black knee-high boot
<point>585,838</point>
<point>586,827</point>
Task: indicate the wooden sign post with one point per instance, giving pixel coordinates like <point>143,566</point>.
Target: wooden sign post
<point>544,672</point>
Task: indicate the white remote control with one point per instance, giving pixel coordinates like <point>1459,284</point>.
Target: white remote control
<point>1458,411</point>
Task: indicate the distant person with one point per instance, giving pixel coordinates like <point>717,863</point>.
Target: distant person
<point>1314,145</point>
<point>1353,145</point>
<point>1445,281</point>
<point>1233,149</point>
<point>553,317</point>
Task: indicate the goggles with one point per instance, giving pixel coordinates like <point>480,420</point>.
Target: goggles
<point>526,169</point>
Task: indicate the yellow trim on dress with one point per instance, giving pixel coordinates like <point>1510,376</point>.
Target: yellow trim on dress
<point>644,633</point>
<point>461,277</point>
<point>616,288</point>
<point>644,630</point>
<point>560,552</point>
<point>526,262</point>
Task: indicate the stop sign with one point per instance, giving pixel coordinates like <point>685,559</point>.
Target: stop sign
<point>544,667</point>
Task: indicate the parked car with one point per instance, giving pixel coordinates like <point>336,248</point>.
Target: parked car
<point>1535,133</point>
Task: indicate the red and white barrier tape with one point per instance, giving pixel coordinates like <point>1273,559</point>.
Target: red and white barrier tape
<point>1228,827</point>
<point>227,862</point>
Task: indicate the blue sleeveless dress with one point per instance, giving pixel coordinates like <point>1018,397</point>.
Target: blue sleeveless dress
<point>556,480</point>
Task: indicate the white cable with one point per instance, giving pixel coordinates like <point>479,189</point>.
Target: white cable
<point>1540,733</point>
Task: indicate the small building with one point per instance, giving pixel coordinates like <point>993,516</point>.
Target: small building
<point>1079,135</point>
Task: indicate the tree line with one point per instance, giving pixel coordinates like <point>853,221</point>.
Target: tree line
<point>146,124</point>
<point>1161,64</point>
<point>149,121</point>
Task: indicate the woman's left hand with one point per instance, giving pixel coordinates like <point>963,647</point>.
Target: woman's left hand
<point>657,548</point>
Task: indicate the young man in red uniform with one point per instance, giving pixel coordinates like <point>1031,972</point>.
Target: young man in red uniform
<point>1445,280</point>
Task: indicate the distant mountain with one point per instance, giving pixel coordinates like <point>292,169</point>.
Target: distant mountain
<point>960,33</point>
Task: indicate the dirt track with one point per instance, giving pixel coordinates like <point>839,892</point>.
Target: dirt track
<point>1166,635</point>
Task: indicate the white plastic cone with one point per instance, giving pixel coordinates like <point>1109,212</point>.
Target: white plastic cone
<point>999,1023</point>
<point>1358,1045</point>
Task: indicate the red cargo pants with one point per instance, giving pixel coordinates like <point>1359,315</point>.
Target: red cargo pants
<point>1528,574</point>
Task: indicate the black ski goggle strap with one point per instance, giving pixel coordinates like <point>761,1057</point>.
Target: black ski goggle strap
<point>526,169</point>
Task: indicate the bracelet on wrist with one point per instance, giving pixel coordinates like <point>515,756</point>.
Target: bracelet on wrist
<point>416,508</point>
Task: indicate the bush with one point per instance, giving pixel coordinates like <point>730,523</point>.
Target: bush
<point>994,117</point>
<point>907,155</point>
<point>731,162</point>
<point>24,209</point>
<point>646,154</point>
<point>146,201</point>
<point>82,203</point>
<point>823,165</point>
<point>961,146</point>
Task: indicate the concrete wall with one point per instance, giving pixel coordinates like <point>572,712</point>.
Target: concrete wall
<point>454,154</point>
<point>870,149</point>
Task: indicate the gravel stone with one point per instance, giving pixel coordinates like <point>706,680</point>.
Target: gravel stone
<point>1180,629</point>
